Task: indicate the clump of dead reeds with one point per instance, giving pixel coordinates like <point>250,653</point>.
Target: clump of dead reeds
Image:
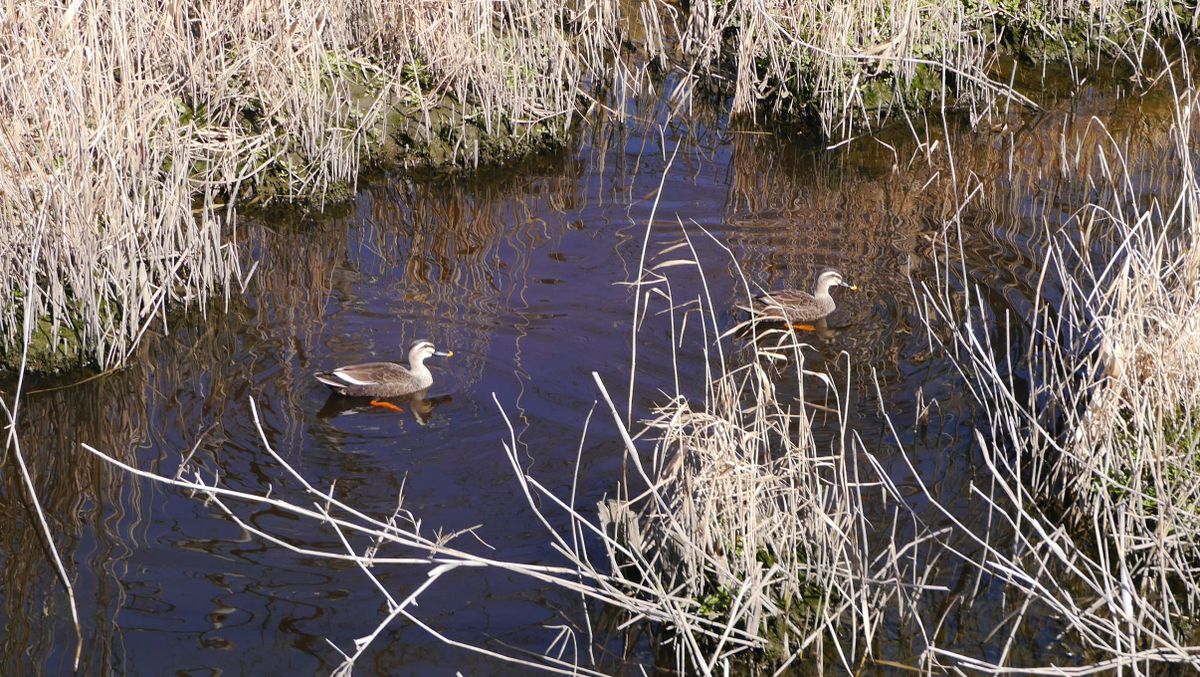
<point>849,64</point>
<point>1092,437</point>
<point>750,507</point>
<point>129,130</point>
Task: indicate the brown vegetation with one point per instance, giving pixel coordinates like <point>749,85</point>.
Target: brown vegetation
<point>1091,437</point>
<point>129,131</point>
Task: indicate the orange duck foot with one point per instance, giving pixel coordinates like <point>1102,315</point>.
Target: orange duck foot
<point>804,327</point>
<point>386,405</point>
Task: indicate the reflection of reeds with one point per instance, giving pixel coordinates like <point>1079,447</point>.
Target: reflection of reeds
<point>85,504</point>
<point>870,207</point>
<point>453,257</point>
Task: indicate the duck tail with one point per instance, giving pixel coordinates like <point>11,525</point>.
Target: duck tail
<point>759,305</point>
<point>329,379</point>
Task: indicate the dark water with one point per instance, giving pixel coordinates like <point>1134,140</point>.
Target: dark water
<point>517,272</point>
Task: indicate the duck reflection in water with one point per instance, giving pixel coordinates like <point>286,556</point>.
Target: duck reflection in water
<point>781,336</point>
<point>421,406</point>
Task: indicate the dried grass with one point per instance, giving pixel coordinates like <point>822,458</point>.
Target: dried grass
<point>128,130</point>
<point>850,63</point>
<point>743,514</point>
<point>1092,442</point>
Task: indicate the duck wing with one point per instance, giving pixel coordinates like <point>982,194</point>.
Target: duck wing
<point>365,374</point>
<point>788,298</point>
<point>793,305</point>
<point>775,303</point>
<point>766,302</point>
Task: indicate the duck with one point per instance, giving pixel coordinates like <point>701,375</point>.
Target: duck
<point>797,307</point>
<point>385,379</point>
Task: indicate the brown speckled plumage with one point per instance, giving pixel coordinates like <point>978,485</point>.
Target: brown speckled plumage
<point>795,305</point>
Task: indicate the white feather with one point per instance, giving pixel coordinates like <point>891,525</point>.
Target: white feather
<point>350,379</point>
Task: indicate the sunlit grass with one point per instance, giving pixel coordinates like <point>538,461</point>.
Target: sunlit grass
<point>1088,415</point>
<point>130,131</point>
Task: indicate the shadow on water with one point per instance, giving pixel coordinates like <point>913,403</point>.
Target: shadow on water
<point>516,272</point>
<point>419,405</point>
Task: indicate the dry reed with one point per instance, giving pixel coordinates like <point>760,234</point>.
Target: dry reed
<point>129,129</point>
<point>850,64</point>
<point>1091,413</point>
<point>752,505</point>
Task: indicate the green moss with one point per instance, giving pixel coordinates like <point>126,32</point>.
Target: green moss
<point>716,604</point>
<point>456,136</point>
<point>798,608</point>
<point>48,353</point>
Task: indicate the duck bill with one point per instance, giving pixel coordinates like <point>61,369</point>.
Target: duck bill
<point>444,353</point>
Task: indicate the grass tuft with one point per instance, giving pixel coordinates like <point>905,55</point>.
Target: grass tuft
<point>129,130</point>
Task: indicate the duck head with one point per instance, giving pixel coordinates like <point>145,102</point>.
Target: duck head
<point>422,350</point>
<point>830,278</point>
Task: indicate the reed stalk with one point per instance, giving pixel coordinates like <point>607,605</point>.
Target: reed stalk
<point>851,65</point>
<point>129,130</point>
<point>1090,435</point>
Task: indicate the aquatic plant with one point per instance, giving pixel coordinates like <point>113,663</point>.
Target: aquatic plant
<point>851,64</point>
<point>1089,412</point>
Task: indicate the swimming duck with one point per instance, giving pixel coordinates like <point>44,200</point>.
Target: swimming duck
<point>795,306</point>
<point>384,379</point>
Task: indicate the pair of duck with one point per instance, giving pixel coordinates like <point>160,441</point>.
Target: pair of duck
<point>388,379</point>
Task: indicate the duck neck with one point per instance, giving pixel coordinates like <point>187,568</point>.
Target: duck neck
<point>416,364</point>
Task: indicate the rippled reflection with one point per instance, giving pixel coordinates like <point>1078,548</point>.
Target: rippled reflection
<point>96,516</point>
